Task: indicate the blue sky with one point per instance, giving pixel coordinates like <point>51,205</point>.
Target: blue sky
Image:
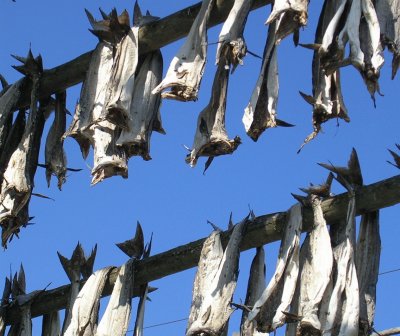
<point>168,197</point>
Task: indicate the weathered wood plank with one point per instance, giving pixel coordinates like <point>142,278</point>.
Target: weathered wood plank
<point>263,230</point>
<point>152,36</point>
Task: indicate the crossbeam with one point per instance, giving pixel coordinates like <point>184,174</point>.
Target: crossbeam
<point>262,230</point>
<point>152,36</point>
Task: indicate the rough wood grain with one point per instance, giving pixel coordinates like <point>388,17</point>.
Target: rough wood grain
<point>152,36</point>
<point>263,230</point>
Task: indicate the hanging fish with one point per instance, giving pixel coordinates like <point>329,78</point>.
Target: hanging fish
<point>367,266</point>
<point>211,138</point>
<point>291,16</point>
<point>51,324</point>
<point>55,159</point>
<point>7,119</point>
<point>326,100</point>
<point>255,287</point>
<point>277,296</point>
<point>215,283</point>
<point>144,114</point>
<point>75,267</point>
<point>260,113</point>
<point>18,177</point>
<point>5,300</point>
<point>232,33</point>
<point>388,12</point>
<point>186,69</point>
<point>115,320</point>
<point>86,306</point>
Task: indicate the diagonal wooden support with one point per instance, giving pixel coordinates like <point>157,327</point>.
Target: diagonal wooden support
<point>152,36</point>
<point>263,230</point>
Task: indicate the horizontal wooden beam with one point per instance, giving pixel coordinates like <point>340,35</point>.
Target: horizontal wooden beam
<point>152,36</point>
<point>262,230</point>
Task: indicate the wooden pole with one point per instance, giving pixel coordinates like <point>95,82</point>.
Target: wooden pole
<point>262,230</point>
<point>152,36</point>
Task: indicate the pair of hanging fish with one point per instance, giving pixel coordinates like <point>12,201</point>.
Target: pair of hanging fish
<point>116,112</point>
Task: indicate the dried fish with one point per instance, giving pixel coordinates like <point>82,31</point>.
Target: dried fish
<point>18,177</point>
<point>291,16</point>
<point>134,247</point>
<point>116,318</point>
<point>316,270</point>
<point>326,99</point>
<point>51,324</point>
<point>388,12</point>
<point>367,266</point>
<point>55,159</point>
<point>186,69</point>
<point>350,18</point>
<point>144,114</point>
<point>277,296</point>
<point>5,300</point>
<point>215,283</point>
<point>260,113</point>
<point>255,287</point>
<point>75,267</point>
<point>86,307</point>
<point>231,34</point>
<point>211,138</point>
<point>92,97</point>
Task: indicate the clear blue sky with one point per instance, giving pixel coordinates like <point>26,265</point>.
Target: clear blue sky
<point>168,197</point>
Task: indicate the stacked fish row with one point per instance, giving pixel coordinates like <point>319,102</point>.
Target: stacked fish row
<point>82,312</point>
<point>117,113</point>
<point>325,287</point>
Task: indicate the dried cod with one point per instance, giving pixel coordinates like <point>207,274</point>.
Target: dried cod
<point>55,159</point>
<point>86,307</point>
<point>277,296</point>
<point>260,112</point>
<point>290,15</point>
<point>255,287</point>
<point>355,23</point>
<point>115,320</point>
<point>144,115</point>
<point>75,267</point>
<point>388,12</point>
<point>215,283</point>
<point>17,183</point>
<point>186,69</point>
<point>5,300</point>
<point>211,138</point>
<point>367,266</point>
<point>51,324</point>
<point>231,34</point>
<point>326,100</point>
<point>316,270</point>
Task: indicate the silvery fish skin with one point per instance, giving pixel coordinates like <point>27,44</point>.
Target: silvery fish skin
<point>122,79</point>
<point>260,113</point>
<point>55,158</point>
<point>291,16</point>
<point>232,33</point>
<point>255,287</point>
<point>215,284</point>
<point>388,12</point>
<point>316,271</point>
<point>187,67</point>
<point>86,306</point>
<point>92,97</point>
<point>115,320</point>
<point>279,292</point>
<point>18,178</point>
<point>51,324</point>
<point>345,28</point>
<point>341,314</point>
<point>211,138</point>
<point>367,267</point>
<point>144,114</point>
<point>326,99</point>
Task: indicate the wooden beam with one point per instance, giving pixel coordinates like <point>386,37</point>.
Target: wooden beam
<point>387,332</point>
<point>262,230</point>
<point>152,36</point>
